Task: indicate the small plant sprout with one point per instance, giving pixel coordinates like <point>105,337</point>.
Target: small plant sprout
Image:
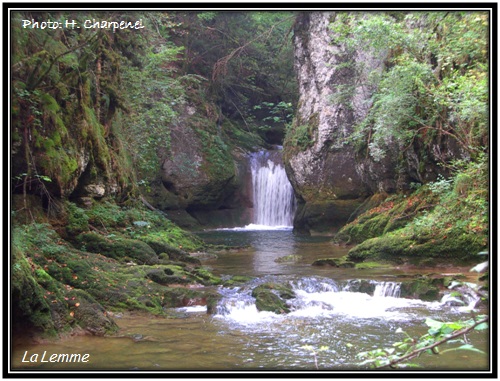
<point>314,352</point>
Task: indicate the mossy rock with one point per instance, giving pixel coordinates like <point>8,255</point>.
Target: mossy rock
<point>288,258</point>
<point>271,297</point>
<point>391,247</point>
<point>78,221</point>
<point>237,280</point>
<point>122,249</point>
<point>371,265</point>
<point>335,262</point>
<point>266,300</point>
<point>91,317</point>
<point>172,252</point>
<point>175,297</point>
<point>423,288</point>
<point>206,277</point>
<point>30,310</point>
<point>382,214</point>
<point>419,250</point>
<point>166,276</point>
<point>362,285</point>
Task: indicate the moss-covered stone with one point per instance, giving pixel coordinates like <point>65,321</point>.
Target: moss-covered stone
<point>206,277</point>
<point>391,247</point>
<point>381,216</point>
<point>182,296</point>
<point>422,288</point>
<point>288,258</point>
<point>78,221</point>
<point>335,262</point>
<point>92,317</point>
<point>419,250</point>
<point>236,280</point>
<point>174,253</point>
<point>371,265</point>
<point>271,297</point>
<point>30,309</point>
<point>121,249</point>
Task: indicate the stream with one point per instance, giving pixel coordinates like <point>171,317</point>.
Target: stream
<point>327,313</point>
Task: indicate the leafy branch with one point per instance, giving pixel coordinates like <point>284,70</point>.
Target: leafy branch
<point>433,347</point>
<point>220,67</point>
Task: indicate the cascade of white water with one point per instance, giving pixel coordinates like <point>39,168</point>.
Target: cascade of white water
<point>273,198</point>
<point>385,289</point>
<point>315,297</point>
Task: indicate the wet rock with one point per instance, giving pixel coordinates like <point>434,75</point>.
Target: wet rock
<point>126,250</point>
<point>335,262</point>
<point>271,297</point>
<point>422,288</point>
<point>95,190</point>
<point>91,317</point>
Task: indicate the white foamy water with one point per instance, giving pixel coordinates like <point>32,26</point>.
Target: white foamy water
<point>319,297</point>
<point>192,309</point>
<point>273,198</point>
<point>257,227</point>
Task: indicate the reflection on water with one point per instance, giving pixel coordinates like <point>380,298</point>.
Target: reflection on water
<point>266,247</point>
<point>323,314</point>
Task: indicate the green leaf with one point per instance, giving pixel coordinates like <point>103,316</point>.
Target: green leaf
<point>481,327</point>
<point>434,324</point>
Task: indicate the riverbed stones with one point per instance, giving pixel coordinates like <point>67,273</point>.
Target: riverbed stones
<point>272,297</point>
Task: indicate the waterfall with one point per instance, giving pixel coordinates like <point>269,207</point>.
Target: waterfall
<point>385,289</point>
<point>273,198</point>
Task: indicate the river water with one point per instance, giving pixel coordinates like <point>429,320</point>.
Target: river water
<point>326,314</point>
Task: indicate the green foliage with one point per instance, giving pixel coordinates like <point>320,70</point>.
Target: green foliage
<point>246,66</point>
<point>155,94</point>
<point>78,220</point>
<point>299,136</point>
<point>279,114</point>
<point>437,334</point>
<point>61,111</point>
<point>435,82</point>
<point>448,218</point>
<point>453,334</point>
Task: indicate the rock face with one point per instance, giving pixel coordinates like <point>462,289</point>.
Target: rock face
<point>326,174</point>
<point>331,176</point>
<point>202,181</point>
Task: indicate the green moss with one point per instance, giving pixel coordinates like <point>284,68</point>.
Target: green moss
<point>173,241</point>
<point>238,136</point>
<point>96,277</point>
<point>300,135</point>
<point>218,163</point>
<point>78,220</point>
<point>206,277</point>
<point>288,258</point>
<point>335,262</point>
<point>121,249</point>
<point>371,265</point>
<point>391,246</point>
<point>386,216</point>
<point>422,288</point>
<point>237,280</point>
<point>30,309</point>
<point>271,297</point>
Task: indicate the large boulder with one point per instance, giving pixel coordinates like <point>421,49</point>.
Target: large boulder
<point>322,165</point>
<point>333,174</point>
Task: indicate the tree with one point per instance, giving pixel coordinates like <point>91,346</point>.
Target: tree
<point>436,79</point>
